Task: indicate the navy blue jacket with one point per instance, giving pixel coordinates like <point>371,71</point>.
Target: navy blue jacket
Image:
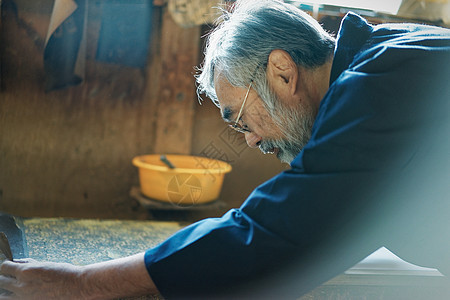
<point>348,192</point>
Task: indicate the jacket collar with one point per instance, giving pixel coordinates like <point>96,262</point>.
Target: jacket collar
<point>353,34</point>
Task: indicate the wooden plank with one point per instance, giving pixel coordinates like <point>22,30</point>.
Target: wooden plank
<point>175,107</point>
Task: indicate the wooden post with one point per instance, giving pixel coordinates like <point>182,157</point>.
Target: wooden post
<point>179,54</point>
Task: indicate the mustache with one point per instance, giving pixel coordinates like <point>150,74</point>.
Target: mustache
<point>286,150</point>
<point>268,146</point>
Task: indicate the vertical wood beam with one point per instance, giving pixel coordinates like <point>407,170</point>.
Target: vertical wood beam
<point>176,97</point>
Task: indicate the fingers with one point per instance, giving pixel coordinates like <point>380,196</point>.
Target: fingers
<point>8,283</point>
<point>12,288</point>
<point>9,296</point>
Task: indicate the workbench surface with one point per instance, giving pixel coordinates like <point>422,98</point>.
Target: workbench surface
<point>89,241</point>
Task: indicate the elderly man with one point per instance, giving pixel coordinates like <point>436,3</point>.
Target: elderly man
<point>360,120</point>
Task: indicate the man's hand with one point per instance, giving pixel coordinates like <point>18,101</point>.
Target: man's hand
<point>29,279</point>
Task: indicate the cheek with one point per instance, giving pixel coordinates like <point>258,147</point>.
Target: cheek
<point>261,122</point>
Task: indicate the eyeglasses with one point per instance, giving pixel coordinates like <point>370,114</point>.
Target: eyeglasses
<point>236,126</point>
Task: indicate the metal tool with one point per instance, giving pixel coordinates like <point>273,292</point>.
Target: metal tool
<point>5,249</point>
<point>164,159</point>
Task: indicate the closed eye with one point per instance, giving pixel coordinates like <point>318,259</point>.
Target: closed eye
<point>243,124</point>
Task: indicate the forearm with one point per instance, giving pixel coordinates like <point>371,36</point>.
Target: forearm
<point>122,277</point>
<point>29,279</point>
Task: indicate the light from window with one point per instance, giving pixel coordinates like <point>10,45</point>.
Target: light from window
<point>386,6</point>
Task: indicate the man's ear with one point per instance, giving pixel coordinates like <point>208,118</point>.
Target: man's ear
<point>282,73</point>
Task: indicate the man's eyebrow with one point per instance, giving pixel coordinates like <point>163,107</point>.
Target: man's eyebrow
<point>227,112</point>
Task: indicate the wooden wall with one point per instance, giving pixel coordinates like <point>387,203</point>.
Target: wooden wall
<point>68,153</point>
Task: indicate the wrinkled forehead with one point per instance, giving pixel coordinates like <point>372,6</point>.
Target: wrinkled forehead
<point>220,82</point>
<point>228,96</point>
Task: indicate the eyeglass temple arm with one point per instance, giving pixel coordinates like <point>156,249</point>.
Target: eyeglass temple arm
<point>243,103</point>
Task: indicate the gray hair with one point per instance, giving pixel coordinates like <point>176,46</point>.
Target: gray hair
<point>240,45</point>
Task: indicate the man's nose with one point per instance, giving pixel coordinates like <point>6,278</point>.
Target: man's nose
<point>253,140</point>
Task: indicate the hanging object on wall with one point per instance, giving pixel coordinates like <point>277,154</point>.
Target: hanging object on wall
<point>432,10</point>
<point>125,32</point>
<point>65,45</point>
<point>189,13</point>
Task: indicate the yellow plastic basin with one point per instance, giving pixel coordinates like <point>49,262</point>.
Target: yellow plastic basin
<point>194,180</point>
